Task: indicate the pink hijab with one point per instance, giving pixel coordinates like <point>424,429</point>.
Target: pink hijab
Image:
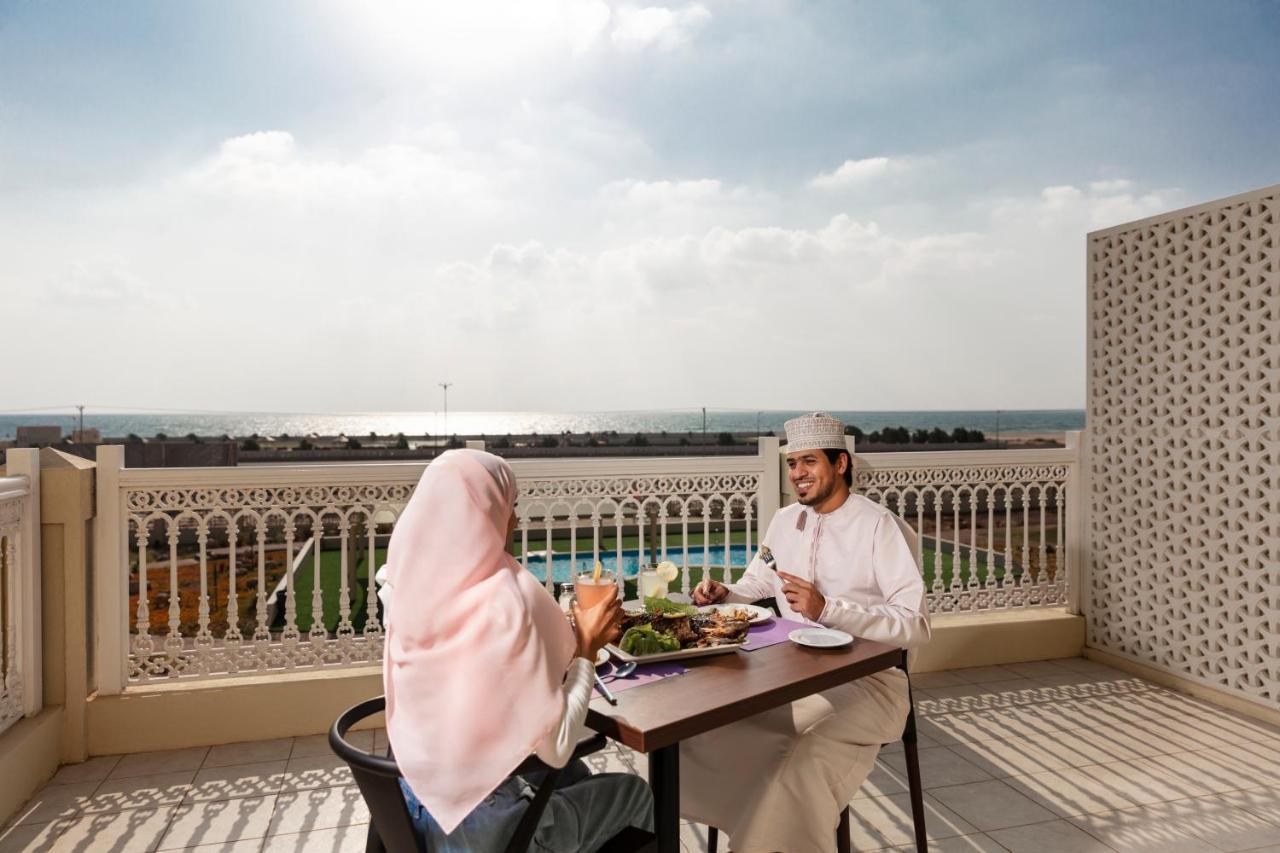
<point>477,649</point>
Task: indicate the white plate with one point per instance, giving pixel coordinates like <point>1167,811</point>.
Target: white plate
<point>680,655</point>
<point>602,657</point>
<point>820,638</point>
<point>757,614</point>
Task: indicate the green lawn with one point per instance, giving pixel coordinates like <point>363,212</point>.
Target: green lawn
<point>330,574</point>
<point>330,579</point>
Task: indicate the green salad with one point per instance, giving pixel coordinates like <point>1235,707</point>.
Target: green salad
<point>644,640</point>
<point>659,604</point>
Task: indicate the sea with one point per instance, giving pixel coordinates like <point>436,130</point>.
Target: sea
<point>239,424</point>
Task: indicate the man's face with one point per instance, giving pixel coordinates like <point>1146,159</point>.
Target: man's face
<point>814,477</point>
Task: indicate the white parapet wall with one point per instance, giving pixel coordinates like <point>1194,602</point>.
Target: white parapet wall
<point>1183,444</point>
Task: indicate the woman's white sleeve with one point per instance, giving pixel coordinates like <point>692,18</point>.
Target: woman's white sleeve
<point>557,748</point>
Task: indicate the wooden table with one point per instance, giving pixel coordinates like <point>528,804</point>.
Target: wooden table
<point>654,718</point>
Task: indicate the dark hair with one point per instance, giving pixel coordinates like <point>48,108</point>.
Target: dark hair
<point>833,456</point>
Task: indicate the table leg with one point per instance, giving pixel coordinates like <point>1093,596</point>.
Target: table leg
<point>664,779</point>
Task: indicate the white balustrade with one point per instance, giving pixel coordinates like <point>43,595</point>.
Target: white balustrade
<point>20,679</point>
<point>992,526</point>
<point>225,571</point>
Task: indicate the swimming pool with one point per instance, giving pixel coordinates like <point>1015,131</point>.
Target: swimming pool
<point>564,569</point>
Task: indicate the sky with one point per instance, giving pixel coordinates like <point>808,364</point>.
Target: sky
<point>334,206</point>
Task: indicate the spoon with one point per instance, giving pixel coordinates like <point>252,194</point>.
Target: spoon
<point>624,670</point>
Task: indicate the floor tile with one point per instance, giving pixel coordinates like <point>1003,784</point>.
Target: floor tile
<point>1139,830</point>
<point>248,845</point>
<point>930,680</point>
<point>165,761</point>
<point>29,837</point>
<point>1263,802</point>
<point>93,770</point>
<point>939,767</point>
<point>55,802</point>
<point>132,831</point>
<point>215,822</point>
<point>136,792</point>
<point>240,780</point>
<point>1038,669</point>
<point>249,752</point>
<point>1075,791</point>
<point>343,839</point>
<point>922,742</point>
<point>979,674</point>
<point>1013,757</point>
<point>882,780</point>
<point>309,745</point>
<point>978,843</point>
<point>317,771</point>
<point>1056,836</point>
<point>886,821</point>
<point>991,805</point>
<point>1220,824</point>
<point>322,808</point>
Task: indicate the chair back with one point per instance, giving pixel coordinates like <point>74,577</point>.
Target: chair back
<point>913,539</point>
<point>379,782</point>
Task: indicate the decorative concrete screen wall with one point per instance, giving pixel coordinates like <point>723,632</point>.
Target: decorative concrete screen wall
<point>1184,443</point>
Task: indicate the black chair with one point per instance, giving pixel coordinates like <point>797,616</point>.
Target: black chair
<point>391,829</point>
<point>844,844</point>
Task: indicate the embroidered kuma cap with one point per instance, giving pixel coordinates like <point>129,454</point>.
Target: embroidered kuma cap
<point>817,431</point>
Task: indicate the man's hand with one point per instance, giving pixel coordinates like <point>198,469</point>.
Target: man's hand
<point>709,592</point>
<point>803,596</point>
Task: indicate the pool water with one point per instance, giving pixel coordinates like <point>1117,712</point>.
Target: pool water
<point>564,569</point>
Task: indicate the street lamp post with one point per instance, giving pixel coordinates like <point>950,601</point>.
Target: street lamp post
<point>445,386</point>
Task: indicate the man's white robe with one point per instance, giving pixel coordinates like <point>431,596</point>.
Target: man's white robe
<point>778,781</point>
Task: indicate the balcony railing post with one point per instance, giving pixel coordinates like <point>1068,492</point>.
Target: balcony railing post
<point>1075,508</point>
<point>110,575</point>
<point>25,462</point>
<point>769,497</point>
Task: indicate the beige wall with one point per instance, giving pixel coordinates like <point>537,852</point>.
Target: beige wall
<point>32,749</point>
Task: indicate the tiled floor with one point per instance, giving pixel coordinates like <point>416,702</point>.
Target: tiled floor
<point>1044,757</point>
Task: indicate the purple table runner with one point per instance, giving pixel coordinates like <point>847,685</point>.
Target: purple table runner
<point>770,633</point>
<point>645,674</point>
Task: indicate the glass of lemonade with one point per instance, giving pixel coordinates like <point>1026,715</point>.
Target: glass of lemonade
<point>590,591</point>
<point>652,584</point>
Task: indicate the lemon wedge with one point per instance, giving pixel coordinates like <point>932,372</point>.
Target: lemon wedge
<point>595,578</point>
<point>667,571</point>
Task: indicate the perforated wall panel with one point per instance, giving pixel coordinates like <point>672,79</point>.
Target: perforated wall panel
<point>1183,557</point>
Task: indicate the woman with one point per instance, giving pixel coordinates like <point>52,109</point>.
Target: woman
<point>482,669</point>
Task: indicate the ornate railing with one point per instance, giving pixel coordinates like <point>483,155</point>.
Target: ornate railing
<point>20,685</point>
<point>232,571</point>
<point>227,571</point>
<point>994,529</point>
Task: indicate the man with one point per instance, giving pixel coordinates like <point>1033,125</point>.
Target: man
<point>778,781</point>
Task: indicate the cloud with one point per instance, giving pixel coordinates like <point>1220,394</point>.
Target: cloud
<point>1069,210</point>
<point>852,172</point>
<point>1114,186</point>
<point>100,286</point>
<point>271,164</point>
<point>638,28</point>
<point>664,192</point>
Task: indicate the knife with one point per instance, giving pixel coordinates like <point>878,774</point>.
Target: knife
<point>604,691</point>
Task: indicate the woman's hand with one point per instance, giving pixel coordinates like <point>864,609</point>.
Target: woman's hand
<point>598,625</point>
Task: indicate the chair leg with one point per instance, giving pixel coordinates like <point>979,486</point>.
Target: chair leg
<point>844,844</point>
<point>912,755</point>
<point>713,839</point>
<point>373,841</point>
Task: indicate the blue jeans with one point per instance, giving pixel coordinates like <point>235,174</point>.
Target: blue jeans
<point>583,813</point>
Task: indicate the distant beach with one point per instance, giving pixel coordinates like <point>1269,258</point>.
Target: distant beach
<point>1022,424</point>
